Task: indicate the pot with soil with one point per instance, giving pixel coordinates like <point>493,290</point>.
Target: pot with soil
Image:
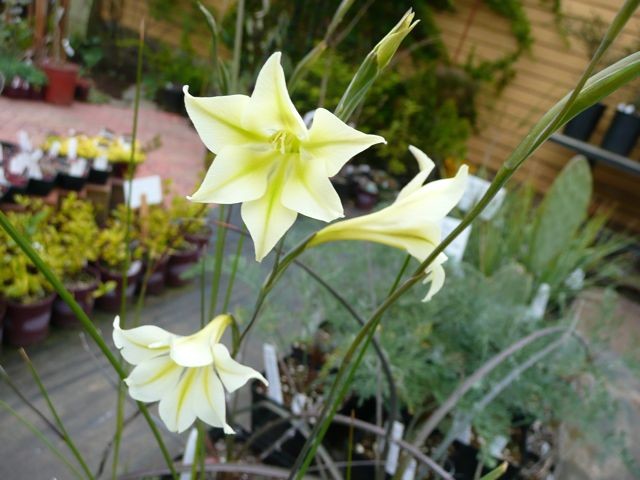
<point>27,323</point>
<point>111,301</point>
<point>82,289</point>
<point>61,85</point>
<point>179,262</point>
<point>200,238</point>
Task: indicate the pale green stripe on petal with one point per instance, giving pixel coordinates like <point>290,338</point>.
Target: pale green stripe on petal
<point>153,379</point>
<point>237,174</point>
<point>176,408</point>
<point>195,350</point>
<point>233,374</point>
<point>334,142</point>
<point>218,120</point>
<point>209,399</point>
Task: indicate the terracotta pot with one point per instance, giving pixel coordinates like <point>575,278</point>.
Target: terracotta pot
<point>62,315</point>
<point>27,323</point>
<point>111,301</point>
<point>179,262</point>
<point>61,82</point>
<point>156,280</point>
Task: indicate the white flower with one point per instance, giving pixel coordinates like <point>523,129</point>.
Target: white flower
<point>185,374</point>
<point>267,159</point>
<point>411,223</point>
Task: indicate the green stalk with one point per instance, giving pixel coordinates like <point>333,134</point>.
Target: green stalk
<point>52,448</point>
<point>232,276</point>
<point>127,260</point>
<point>86,322</point>
<point>65,434</point>
<point>237,47</point>
<point>217,266</point>
<point>595,89</point>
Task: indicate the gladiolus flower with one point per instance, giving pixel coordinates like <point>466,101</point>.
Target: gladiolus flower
<point>185,374</point>
<point>411,223</point>
<point>267,159</point>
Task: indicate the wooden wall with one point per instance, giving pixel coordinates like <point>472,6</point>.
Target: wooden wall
<point>543,77</point>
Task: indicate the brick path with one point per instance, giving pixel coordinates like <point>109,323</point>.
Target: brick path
<point>180,156</point>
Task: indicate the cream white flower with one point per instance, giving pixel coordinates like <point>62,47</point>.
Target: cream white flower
<point>267,159</point>
<point>185,374</point>
<point>411,223</point>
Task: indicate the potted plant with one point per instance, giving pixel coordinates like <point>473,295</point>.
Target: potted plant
<point>61,75</point>
<point>583,125</point>
<point>76,239</point>
<point>192,220</point>
<point>119,155</point>
<point>156,233</point>
<point>29,294</point>
<point>111,259</point>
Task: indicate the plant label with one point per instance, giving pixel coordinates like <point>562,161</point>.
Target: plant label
<point>497,446</point>
<point>410,471</point>
<point>54,149</point>
<point>391,463</point>
<point>455,250</point>
<point>148,187</point>
<point>575,280</point>
<point>72,148</point>
<point>24,141</point>
<point>101,164</point>
<point>274,391</point>
<point>539,303</point>
<point>476,188</point>
<point>78,168</point>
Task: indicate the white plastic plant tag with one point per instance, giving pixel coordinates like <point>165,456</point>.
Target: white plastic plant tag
<point>72,148</point>
<point>539,303</point>
<point>476,188</point>
<point>54,150</point>
<point>455,250</point>
<point>78,168</point>
<point>465,436</point>
<point>274,391</point>
<point>19,163</point>
<point>297,403</point>
<point>410,471</point>
<point>148,187</point>
<point>101,163</point>
<point>497,446</point>
<point>189,453</point>
<point>34,171</point>
<point>23,141</point>
<point>391,463</point>
<point>308,118</point>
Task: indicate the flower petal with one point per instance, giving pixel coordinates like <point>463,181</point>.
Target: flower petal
<point>267,220</point>
<point>195,350</point>
<point>433,201</point>
<point>426,167</point>
<point>176,408</point>
<point>334,142</point>
<point>270,109</point>
<point>233,374</point>
<point>209,400</point>
<point>218,120</point>
<point>435,275</point>
<point>141,343</point>
<point>153,379</point>
<point>237,174</point>
<point>309,191</point>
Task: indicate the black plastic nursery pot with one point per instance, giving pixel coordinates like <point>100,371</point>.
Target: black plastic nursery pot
<point>179,262</point>
<point>121,170</point>
<point>98,177</point>
<point>71,182</point>
<point>41,187</point>
<point>171,98</point>
<point>112,300</point>
<point>583,125</point>
<point>623,133</point>
<point>27,323</point>
<point>82,292</point>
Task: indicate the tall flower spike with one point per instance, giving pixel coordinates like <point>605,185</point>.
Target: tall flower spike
<point>185,374</point>
<point>268,160</point>
<point>411,223</point>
